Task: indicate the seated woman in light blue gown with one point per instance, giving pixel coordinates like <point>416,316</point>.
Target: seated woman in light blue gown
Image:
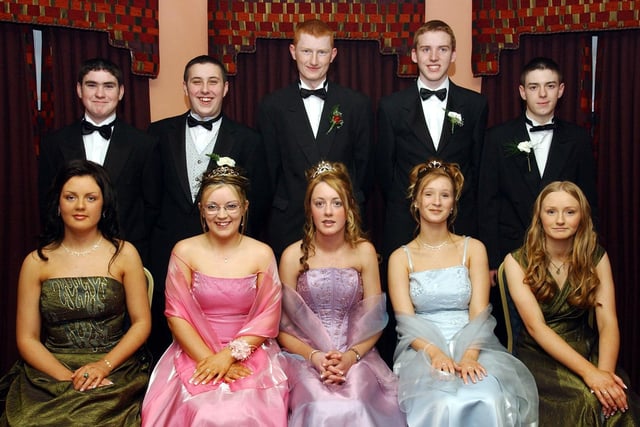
<point>452,369</point>
<point>333,312</point>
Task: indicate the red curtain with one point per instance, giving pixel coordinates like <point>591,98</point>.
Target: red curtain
<point>19,213</point>
<point>618,136</point>
<point>23,126</point>
<point>568,50</point>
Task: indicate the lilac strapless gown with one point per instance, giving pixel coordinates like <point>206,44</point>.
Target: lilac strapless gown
<point>369,395</point>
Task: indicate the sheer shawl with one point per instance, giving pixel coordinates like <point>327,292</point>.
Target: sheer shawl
<point>262,320</point>
<point>416,373</point>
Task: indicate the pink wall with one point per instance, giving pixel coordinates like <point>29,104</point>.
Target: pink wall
<point>183,35</point>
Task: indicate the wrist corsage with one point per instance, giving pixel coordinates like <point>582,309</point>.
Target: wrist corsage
<point>240,349</point>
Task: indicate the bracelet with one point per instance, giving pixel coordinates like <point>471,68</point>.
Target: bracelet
<point>312,353</point>
<point>109,365</point>
<point>357,353</point>
<point>240,349</point>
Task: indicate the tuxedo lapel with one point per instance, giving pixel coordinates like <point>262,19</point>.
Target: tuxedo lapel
<point>559,152</point>
<point>303,134</point>
<point>416,121</point>
<point>525,163</point>
<point>117,153</point>
<point>179,155</point>
<point>326,138</point>
<point>72,147</point>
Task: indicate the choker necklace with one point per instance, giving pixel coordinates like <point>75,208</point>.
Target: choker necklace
<point>434,247</point>
<point>558,268</point>
<point>82,253</point>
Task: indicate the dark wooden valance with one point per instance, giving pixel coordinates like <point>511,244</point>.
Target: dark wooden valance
<point>498,24</point>
<point>131,24</point>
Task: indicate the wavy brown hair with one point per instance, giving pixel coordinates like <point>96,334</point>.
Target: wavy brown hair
<point>336,176</point>
<point>581,276</point>
<point>424,173</point>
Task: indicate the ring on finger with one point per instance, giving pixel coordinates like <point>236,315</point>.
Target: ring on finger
<point>85,375</point>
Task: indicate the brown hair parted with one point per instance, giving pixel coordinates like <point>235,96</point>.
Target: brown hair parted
<point>434,25</point>
<point>424,173</point>
<point>582,276</point>
<point>336,176</point>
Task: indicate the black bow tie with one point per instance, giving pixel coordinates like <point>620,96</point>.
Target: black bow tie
<point>89,128</point>
<point>548,126</point>
<point>320,93</point>
<point>425,94</point>
<point>207,124</point>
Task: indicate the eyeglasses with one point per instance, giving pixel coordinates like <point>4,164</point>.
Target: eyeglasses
<point>231,208</point>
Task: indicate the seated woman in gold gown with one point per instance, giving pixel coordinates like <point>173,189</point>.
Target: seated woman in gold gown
<point>556,280</point>
<point>79,365</point>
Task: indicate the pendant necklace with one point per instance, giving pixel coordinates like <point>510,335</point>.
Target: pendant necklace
<point>82,253</point>
<point>558,268</point>
<point>434,247</point>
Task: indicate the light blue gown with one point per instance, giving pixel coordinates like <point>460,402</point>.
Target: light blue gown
<point>507,397</point>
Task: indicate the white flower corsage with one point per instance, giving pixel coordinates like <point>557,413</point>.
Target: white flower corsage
<point>240,349</point>
<point>455,119</point>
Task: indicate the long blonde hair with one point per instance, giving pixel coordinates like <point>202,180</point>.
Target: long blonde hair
<point>336,176</point>
<point>582,276</point>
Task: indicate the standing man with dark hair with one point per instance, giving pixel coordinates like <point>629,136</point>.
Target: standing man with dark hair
<point>433,119</point>
<point>525,154</point>
<point>129,155</point>
<point>311,120</point>
<point>186,144</point>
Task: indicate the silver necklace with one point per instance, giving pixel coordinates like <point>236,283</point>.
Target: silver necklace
<point>558,268</point>
<point>434,247</point>
<point>82,253</point>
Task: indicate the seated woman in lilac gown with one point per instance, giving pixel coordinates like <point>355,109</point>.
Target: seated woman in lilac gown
<point>452,369</point>
<point>223,307</point>
<point>333,314</point>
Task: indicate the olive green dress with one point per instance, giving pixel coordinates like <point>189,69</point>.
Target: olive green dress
<point>82,318</point>
<point>565,399</point>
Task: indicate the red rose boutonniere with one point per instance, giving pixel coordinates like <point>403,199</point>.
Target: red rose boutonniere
<point>335,120</point>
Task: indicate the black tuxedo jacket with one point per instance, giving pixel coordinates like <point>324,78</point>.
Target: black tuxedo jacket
<point>292,149</point>
<point>133,165</point>
<point>404,141</point>
<point>179,214</point>
<point>510,182</point>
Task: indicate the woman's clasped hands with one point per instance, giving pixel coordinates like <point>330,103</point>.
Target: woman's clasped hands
<point>609,389</point>
<point>219,367</point>
<point>91,375</point>
<point>333,365</point>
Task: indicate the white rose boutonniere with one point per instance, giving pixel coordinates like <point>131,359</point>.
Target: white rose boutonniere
<point>222,161</point>
<point>525,147</point>
<point>455,119</point>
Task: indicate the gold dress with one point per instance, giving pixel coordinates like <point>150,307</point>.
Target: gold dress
<point>82,319</point>
<point>565,399</point>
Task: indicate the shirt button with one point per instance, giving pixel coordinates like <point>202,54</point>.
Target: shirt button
<point>199,161</point>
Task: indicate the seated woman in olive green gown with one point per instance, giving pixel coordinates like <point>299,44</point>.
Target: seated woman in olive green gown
<point>79,366</point>
<point>557,279</point>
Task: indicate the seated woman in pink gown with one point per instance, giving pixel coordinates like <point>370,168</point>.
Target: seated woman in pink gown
<point>333,314</point>
<point>223,307</point>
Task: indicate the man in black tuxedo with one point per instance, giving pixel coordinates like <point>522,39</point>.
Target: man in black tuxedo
<point>521,157</point>
<point>186,143</point>
<point>434,119</point>
<point>308,121</point>
<point>129,155</point>
<point>512,176</point>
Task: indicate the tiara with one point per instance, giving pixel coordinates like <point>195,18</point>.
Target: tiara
<point>223,171</point>
<point>321,168</point>
<point>432,164</point>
